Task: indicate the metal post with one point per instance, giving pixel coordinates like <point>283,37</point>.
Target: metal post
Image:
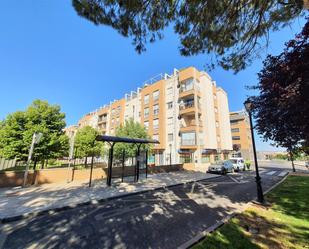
<point>91,171</point>
<point>138,162</point>
<point>110,165</point>
<point>29,160</point>
<point>260,195</point>
<point>146,163</point>
<point>123,162</point>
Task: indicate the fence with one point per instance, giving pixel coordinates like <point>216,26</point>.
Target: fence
<point>6,164</point>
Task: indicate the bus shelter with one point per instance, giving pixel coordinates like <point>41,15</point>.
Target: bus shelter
<point>138,142</point>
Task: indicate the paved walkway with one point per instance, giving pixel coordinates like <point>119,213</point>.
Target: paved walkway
<point>16,202</point>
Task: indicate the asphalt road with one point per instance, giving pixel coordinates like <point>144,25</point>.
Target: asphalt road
<point>159,219</point>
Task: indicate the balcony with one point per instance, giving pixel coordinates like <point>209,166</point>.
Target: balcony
<point>102,120</point>
<point>191,125</point>
<point>188,108</point>
<point>189,90</point>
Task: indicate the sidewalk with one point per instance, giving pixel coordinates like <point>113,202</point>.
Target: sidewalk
<point>16,203</point>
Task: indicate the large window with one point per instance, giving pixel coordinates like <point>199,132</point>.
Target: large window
<point>146,112</point>
<point>155,95</point>
<point>235,130</point>
<point>156,110</point>
<point>146,124</point>
<point>187,85</point>
<point>236,137</point>
<point>156,124</point>
<point>155,137</point>
<point>186,158</point>
<point>188,138</point>
<point>146,99</point>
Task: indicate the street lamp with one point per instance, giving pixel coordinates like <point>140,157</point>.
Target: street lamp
<point>260,196</point>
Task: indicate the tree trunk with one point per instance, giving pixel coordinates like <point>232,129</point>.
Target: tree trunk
<point>292,161</point>
<point>35,162</point>
<point>85,162</point>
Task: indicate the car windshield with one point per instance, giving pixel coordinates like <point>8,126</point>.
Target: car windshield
<point>233,161</point>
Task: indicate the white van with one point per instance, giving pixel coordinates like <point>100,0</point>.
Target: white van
<point>238,163</point>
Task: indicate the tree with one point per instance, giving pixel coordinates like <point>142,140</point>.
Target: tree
<point>17,130</point>
<point>235,31</point>
<point>85,143</point>
<point>130,129</point>
<point>282,107</point>
<point>12,142</point>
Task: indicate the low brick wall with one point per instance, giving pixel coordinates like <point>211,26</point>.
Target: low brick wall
<point>58,175</point>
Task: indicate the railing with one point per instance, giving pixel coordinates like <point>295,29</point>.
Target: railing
<point>6,164</point>
<point>186,105</point>
<point>185,142</point>
<point>192,123</point>
<point>184,88</point>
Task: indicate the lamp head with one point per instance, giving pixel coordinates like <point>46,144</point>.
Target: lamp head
<point>248,105</point>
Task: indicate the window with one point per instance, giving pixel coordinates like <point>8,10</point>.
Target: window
<point>155,137</point>
<point>170,90</point>
<point>205,158</point>
<point>156,124</point>
<point>155,95</point>
<point>186,158</point>
<point>170,121</point>
<point>170,137</point>
<point>217,124</point>
<point>155,110</point>
<point>187,85</point>
<point>216,109</point>
<point>233,122</point>
<point>146,124</point>
<point>146,112</point>
<point>146,99</point>
<point>169,105</point>
<point>188,138</point>
<point>235,130</point>
<point>235,137</point>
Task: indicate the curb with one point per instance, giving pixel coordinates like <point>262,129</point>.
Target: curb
<point>219,224</point>
<point>94,202</point>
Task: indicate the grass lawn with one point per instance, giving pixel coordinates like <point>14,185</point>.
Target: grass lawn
<point>284,223</point>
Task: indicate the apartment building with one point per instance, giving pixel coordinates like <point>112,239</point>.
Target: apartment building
<point>185,111</point>
<point>241,134</point>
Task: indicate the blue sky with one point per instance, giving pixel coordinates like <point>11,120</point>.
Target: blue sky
<point>48,52</point>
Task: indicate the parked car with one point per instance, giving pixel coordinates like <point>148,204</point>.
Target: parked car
<point>238,163</point>
<point>221,167</point>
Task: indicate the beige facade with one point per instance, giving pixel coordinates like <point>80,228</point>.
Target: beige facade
<point>241,134</point>
<point>185,111</point>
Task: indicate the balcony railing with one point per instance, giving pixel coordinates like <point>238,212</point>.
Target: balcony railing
<point>188,142</point>
<point>186,105</point>
<point>192,123</point>
<point>102,119</point>
<point>186,88</point>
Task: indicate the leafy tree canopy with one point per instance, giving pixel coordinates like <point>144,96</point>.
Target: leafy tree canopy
<point>17,129</point>
<point>234,31</point>
<point>282,107</point>
<point>85,142</point>
<point>130,129</point>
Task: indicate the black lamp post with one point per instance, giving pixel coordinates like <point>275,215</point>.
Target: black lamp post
<point>260,196</point>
